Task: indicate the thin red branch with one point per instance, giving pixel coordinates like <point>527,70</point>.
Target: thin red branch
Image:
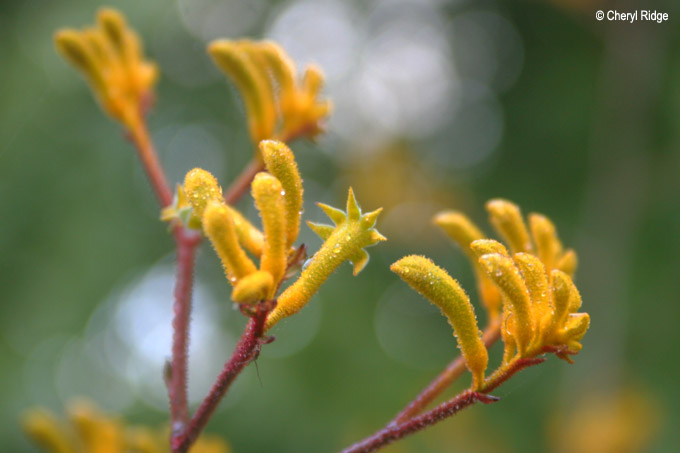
<point>246,351</point>
<point>503,374</point>
<point>445,379</point>
<point>177,380</point>
<point>241,184</point>
<point>392,431</point>
<point>139,135</point>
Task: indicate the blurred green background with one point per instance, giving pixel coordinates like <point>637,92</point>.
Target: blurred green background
<point>437,105</point>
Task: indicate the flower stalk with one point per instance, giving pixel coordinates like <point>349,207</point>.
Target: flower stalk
<point>246,351</point>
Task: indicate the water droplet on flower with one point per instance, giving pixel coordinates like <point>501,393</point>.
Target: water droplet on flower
<point>283,193</point>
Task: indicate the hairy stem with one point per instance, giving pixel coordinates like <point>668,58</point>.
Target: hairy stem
<point>395,432</point>
<point>186,241</point>
<point>177,379</point>
<point>464,399</point>
<point>246,351</point>
<point>452,372</point>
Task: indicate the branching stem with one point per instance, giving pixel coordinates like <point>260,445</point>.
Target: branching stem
<point>445,379</point>
<point>395,431</point>
<point>177,379</point>
<point>246,350</point>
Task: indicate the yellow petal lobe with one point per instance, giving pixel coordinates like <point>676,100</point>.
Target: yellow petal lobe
<point>253,288</point>
<point>507,220</point>
<point>506,276</point>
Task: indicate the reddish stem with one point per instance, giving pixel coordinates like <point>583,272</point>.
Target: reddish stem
<point>393,431</point>
<point>186,247</point>
<point>246,350</point>
<point>139,135</point>
<point>241,184</point>
<point>444,380</point>
<point>177,380</point>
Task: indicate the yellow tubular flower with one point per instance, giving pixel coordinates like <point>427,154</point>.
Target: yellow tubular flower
<point>565,296</point>
<point>507,220</point>
<point>201,187</point>
<point>249,236</point>
<point>462,231</point>
<point>436,285</point>
<point>253,288</point>
<point>548,246</point>
<point>253,84</point>
<point>540,301</point>
<point>568,263</point>
<point>267,192</point>
<point>111,59</point>
<point>43,427</point>
<point>505,274</point>
<point>536,280</point>
<point>308,109</point>
<point>345,241</point>
<point>99,434</point>
<point>87,430</point>
<point>280,162</point>
<point>219,228</point>
<point>482,247</point>
<point>283,70</point>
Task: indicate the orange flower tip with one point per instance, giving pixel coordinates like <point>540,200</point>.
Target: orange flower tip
<point>69,43</point>
<point>483,247</point>
<point>201,187</point>
<point>266,182</point>
<point>501,206</point>
<point>220,45</point>
<point>252,288</point>
<point>507,220</point>
<point>569,262</point>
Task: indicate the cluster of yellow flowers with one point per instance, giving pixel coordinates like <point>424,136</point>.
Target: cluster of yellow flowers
<point>110,56</point>
<point>278,197</point>
<point>278,104</point>
<point>88,430</point>
<point>529,287</point>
